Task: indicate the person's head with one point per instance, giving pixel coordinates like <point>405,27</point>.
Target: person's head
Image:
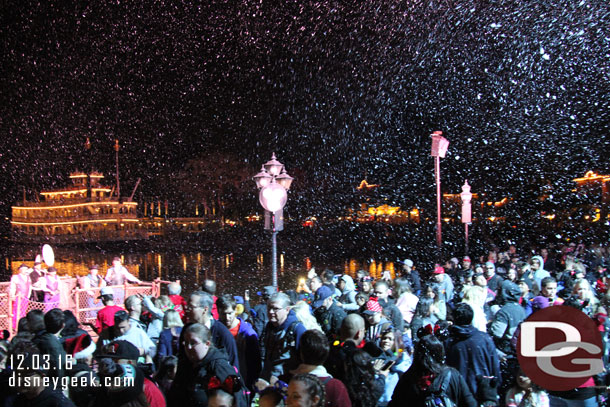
<point>463,314</point>
<point>133,304</point>
<point>373,311</point>
<point>328,276</point>
<point>361,298</point>
<point>24,269</point>
<point>121,322</point>
<point>121,352</point>
<point>35,320</point>
<point>366,286</point>
<point>352,328</point>
<point>197,342</point>
<point>164,303</point>
<point>168,367</point>
<point>424,307</point>
<point>315,283</point>
<point>277,308</point>
<point>171,319</point>
<point>438,275</point>
<point>52,271</point>
<point>388,339</point>
<point>271,397</point>
<point>407,265</point>
<point>523,286</point>
<point>490,269</point>
<point>209,286</point>
<point>475,295</point>
<point>466,262</point>
<point>548,287</point>
<point>535,262</point>
<point>305,390</point>
<point>314,347</point>
<point>220,398</point>
<point>54,321</point>
<point>94,270</point>
<point>523,381</point>
<point>582,289</point>
<point>479,280</point>
<point>226,304</point>
<point>199,307</point>
<point>401,286</point>
<point>382,290</point>
<point>429,354</point>
<point>432,290</point>
<point>116,262</point>
<point>29,377</point>
<point>511,274</point>
<point>174,288</point>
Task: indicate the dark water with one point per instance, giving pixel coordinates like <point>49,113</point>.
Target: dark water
<point>232,272</point>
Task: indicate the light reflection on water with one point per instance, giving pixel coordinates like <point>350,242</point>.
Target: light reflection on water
<point>233,274</point>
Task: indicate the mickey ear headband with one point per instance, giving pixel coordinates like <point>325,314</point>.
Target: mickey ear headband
<point>429,330</point>
<point>230,385</point>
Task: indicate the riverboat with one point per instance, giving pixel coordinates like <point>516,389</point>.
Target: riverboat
<point>84,212</point>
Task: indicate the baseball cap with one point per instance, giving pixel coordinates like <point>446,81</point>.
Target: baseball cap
<point>372,307</point>
<point>408,262</point>
<point>267,291</point>
<point>439,270</point>
<point>321,295</point>
<point>119,350</point>
<point>106,291</point>
<point>466,258</point>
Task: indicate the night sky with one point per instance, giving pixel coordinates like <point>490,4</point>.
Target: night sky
<point>339,90</point>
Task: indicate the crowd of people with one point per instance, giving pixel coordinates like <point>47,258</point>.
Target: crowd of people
<point>444,336</point>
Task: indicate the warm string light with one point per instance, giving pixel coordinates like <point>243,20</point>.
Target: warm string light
<point>107,203</point>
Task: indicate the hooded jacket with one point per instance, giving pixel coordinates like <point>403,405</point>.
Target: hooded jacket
<point>248,350</point>
<point>507,319</point>
<point>540,273</point>
<point>348,296</point>
<point>472,353</point>
<point>190,386</point>
<point>280,345</point>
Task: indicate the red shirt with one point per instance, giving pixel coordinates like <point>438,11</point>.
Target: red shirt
<point>179,304</point>
<point>235,331</point>
<point>154,396</point>
<point>105,317</point>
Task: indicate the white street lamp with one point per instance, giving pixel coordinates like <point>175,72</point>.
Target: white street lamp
<point>466,196</point>
<point>273,182</point>
<point>439,148</point>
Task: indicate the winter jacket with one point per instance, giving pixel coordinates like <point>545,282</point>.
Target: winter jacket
<point>190,385</point>
<point>446,289</point>
<point>249,353</point>
<point>50,344</point>
<point>472,352</point>
<point>540,273</point>
<point>507,319</point>
<point>393,313</point>
<point>330,319</point>
<point>407,392</point>
<point>348,296</point>
<point>281,345</point>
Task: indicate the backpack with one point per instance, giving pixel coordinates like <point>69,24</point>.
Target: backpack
<point>436,395</point>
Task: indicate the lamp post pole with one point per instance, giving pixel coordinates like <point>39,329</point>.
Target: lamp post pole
<point>439,149</point>
<point>437,172</point>
<point>273,182</point>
